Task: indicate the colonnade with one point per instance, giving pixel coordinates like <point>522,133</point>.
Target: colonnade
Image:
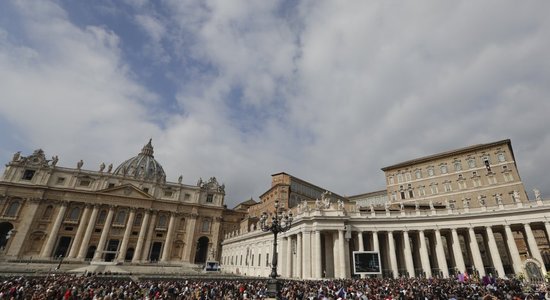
<point>149,231</point>
<point>439,252</point>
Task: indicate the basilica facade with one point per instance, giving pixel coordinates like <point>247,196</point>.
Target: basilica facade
<point>127,215</point>
<point>463,211</point>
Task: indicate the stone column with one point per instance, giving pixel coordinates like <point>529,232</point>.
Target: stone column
<point>50,243</point>
<point>216,236</point>
<point>513,248</point>
<point>495,255</point>
<point>149,238</point>
<point>318,265</point>
<point>440,253</point>
<point>375,242</point>
<point>336,255</point>
<point>190,235</point>
<point>126,237</point>
<point>306,262</point>
<point>342,254</point>
<point>476,255</point>
<point>299,256</point>
<point>104,233</point>
<point>424,256</point>
<point>88,234</point>
<point>457,251</point>
<point>281,259</point>
<point>289,256</point>
<point>533,248</point>
<point>408,254</point>
<point>547,227</point>
<point>141,237</point>
<point>169,239</point>
<point>20,235</point>
<point>360,241</point>
<point>79,232</point>
<point>393,257</point>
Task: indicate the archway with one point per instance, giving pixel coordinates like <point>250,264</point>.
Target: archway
<point>202,250</point>
<point>534,273</point>
<point>5,233</point>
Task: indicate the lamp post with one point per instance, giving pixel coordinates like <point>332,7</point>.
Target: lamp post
<point>280,222</point>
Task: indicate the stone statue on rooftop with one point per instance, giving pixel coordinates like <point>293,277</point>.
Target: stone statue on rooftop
<point>79,164</point>
<point>180,179</point>
<point>102,167</point>
<point>16,156</point>
<point>55,159</point>
<point>538,196</point>
<point>109,168</point>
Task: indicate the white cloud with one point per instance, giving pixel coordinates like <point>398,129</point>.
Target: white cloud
<point>68,90</point>
<point>329,91</point>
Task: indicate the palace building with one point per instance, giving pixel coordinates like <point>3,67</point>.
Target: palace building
<point>127,215</point>
<point>461,211</point>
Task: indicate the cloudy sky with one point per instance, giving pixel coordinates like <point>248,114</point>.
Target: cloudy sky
<point>329,91</point>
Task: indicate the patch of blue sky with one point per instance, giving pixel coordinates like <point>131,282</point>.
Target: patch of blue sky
<point>158,78</point>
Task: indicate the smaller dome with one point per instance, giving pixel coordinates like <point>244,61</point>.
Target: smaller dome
<point>143,166</point>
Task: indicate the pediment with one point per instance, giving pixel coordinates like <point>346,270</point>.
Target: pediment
<point>126,190</point>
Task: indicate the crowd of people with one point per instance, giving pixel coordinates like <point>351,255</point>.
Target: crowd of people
<point>68,287</point>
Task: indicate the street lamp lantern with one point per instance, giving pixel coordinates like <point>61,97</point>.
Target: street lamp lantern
<point>280,222</point>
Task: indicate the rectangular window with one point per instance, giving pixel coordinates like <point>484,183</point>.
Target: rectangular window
<point>462,184</point>
<point>206,226</point>
<point>209,198</point>
<point>390,180</point>
<point>492,179</point>
<point>433,189</point>
<point>421,191</point>
<point>448,187</point>
<point>443,169</point>
<point>28,174</point>
<point>111,185</point>
<point>408,176</point>
<point>267,259</point>
<point>476,182</point>
<point>259,259</point>
<point>458,166</point>
<point>430,171</point>
<point>168,193</point>
<point>508,177</point>
<point>418,174</point>
<point>60,180</point>
<point>84,182</point>
<point>146,190</point>
<point>186,197</point>
<point>399,178</point>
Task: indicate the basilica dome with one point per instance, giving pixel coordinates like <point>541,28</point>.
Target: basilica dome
<point>143,166</point>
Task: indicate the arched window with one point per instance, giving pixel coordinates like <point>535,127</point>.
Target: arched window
<point>74,214</point>
<point>12,209</point>
<point>120,217</point>
<point>47,213</point>
<point>137,220</point>
<point>162,221</point>
<point>102,216</point>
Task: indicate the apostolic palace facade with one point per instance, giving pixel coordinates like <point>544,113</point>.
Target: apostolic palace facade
<point>461,211</point>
